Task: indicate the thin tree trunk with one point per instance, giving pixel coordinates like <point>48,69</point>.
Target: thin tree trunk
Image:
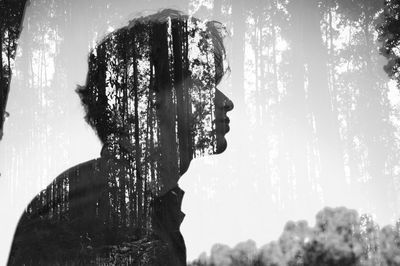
<point>166,112</point>
<point>138,152</point>
<point>326,124</point>
<point>239,30</point>
<point>179,78</point>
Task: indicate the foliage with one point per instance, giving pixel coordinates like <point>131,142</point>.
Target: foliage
<point>340,237</point>
<point>390,244</point>
<point>11,15</point>
<point>389,35</point>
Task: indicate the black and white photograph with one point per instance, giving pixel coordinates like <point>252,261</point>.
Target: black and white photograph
<point>200,132</point>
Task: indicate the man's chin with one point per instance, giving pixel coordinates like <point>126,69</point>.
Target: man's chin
<point>221,146</point>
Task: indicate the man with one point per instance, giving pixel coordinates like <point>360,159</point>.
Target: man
<point>151,97</point>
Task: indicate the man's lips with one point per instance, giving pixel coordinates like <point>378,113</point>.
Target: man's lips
<point>227,128</point>
<point>226,124</point>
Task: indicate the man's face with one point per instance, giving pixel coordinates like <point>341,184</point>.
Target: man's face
<point>223,105</point>
<point>155,90</point>
<point>203,111</point>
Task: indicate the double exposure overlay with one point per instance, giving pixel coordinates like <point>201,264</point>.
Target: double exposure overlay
<point>151,97</point>
<point>110,100</point>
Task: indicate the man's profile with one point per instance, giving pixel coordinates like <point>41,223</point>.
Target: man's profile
<point>151,97</point>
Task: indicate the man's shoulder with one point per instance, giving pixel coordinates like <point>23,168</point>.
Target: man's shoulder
<point>86,169</point>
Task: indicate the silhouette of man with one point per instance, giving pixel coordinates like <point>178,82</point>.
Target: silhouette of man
<point>151,97</point>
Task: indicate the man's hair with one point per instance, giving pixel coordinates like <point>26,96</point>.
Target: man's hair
<point>117,47</point>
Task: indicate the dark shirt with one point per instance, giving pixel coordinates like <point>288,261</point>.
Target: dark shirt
<point>77,221</point>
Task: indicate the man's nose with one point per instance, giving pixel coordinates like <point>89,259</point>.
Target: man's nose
<point>228,104</point>
<point>222,102</point>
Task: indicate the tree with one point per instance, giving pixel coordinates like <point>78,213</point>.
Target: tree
<point>11,17</point>
<point>389,35</point>
<point>334,240</point>
<point>339,237</point>
<point>390,244</point>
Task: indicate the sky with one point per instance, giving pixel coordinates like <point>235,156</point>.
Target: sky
<point>229,198</point>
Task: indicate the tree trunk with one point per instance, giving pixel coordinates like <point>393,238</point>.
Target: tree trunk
<point>169,173</point>
<point>138,151</point>
<point>238,39</point>
<point>180,75</point>
<point>326,124</point>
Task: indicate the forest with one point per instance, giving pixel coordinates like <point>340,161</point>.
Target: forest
<point>318,70</point>
<point>310,83</point>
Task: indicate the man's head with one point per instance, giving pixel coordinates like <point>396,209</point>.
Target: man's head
<point>151,90</point>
